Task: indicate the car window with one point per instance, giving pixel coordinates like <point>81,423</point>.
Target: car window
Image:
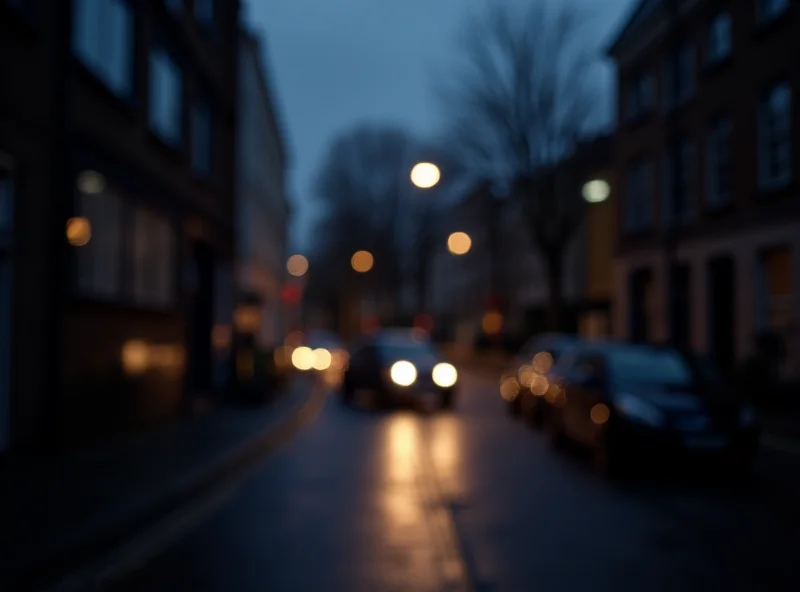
<point>657,366</point>
<point>407,350</point>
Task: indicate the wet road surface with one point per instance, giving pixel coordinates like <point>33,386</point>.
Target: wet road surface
<point>360,501</point>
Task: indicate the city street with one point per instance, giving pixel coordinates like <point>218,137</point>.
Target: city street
<point>474,500</point>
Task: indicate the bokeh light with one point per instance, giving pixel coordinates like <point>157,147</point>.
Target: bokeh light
<point>362,261</point>
<point>459,243</point>
<point>444,375</point>
<point>600,414</point>
<point>596,191</point>
<point>492,323</point>
<point>91,182</point>
<point>303,358</point>
<point>403,373</point>
<point>543,362</point>
<point>322,359</point>
<point>509,388</point>
<point>539,385</point>
<point>79,231</point>
<point>425,175</point>
<point>297,265</point>
<point>135,357</point>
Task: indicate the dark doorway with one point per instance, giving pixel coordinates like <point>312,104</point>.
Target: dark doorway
<point>722,312</point>
<point>680,306</point>
<point>201,320</point>
<point>640,288</point>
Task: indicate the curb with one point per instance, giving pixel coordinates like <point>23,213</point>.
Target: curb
<point>60,565</point>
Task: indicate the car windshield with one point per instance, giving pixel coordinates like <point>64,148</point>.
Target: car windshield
<point>406,350</point>
<point>651,366</point>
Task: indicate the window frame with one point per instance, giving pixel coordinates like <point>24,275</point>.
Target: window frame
<point>767,143</point>
<point>173,66</point>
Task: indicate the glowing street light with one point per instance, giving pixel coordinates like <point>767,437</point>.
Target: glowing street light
<point>297,265</point>
<point>79,231</point>
<point>596,191</point>
<point>362,261</point>
<point>459,243</point>
<point>425,175</point>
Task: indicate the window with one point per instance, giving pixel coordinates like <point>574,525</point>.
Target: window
<point>100,260</point>
<point>166,97</point>
<point>153,259</point>
<point>651,366</point>
<point>719,164</point>
<point>202,137</point>
<point>103,40</point>
<point>679,76</point>
<point>720,42</point>
<point>769,10</point>
<point>641,96</point>
<point>678,176</point>
<point>776,289</point>
<point>7,192</point>
<point>204,11</point>
<point>774,138</point>
<point>639,211</point>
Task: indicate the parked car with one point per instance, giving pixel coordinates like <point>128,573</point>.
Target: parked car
<point>521,385</point>
<point>635,404</point>
<point>400,366</point>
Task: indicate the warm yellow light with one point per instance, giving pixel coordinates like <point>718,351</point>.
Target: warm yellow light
<point>543,362</point>
<point>459,243</point>
<point>221,336</point>
<point>444,375</point>
<point>596,191</point>
<point>492,323</point>
<point>539,385</point>
<point>79,231</point>
<point>247,318</point>
<point>425,175</point>
<point>600,414</point>
<point>322,359</point>
<point>362,261</point>
<point>303,358</point>
<point>91,182</point>
<point>403,373</point>
<point>509,388</point>
<point>135,357</point>
<point>297,265</point>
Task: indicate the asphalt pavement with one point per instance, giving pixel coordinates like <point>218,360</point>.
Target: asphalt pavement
<point>466,500</point>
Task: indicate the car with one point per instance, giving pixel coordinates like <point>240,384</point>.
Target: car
<point>400,366</point>
<point>521,383</point>
<point>633,405</point>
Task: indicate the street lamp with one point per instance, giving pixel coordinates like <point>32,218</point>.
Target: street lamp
<point>297,265</point>
<point>459,243</point>
<point>596,191</point>
<point>425,175</point>
<point>362,261</point>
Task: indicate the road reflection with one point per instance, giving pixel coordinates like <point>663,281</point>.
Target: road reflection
<point>400,461</point>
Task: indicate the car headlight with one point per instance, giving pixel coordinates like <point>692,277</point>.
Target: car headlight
<point>639,410</point>
<point>444,375</point>
<point>747,415</point>
<point>403,373</point>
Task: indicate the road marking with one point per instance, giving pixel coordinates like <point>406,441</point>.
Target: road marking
<point>785,445</point>
<point>136,552</point>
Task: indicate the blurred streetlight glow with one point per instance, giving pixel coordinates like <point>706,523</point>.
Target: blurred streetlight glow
<point>425,175</point>
<point>459,243</point>
<point>79,231</point>
<point>91,183</point>
<point>297,265</point>
<point>596,191</point>
<point>362,261</point>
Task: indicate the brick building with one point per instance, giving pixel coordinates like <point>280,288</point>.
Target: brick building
<point>117,235</point>
<point>709,157</point>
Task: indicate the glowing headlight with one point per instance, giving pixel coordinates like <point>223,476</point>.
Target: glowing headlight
<point>403,373</point>
<point>444,375</point>
<point>322,359</point>
<point>303,358</point>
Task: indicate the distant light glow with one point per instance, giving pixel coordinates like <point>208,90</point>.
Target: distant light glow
<point>135,357</point>
<point>492,323</point>
<point>509,388</point>
<point>303,358</point>
<point>362,261</point>
<point>79,231</point>
<point>297,265</point>
<point>91,182</point>
<point>403,373</point>
<point>459,243</point>
<point>444,375</point>
<point>425,175</point>
<point>322,359</point>
<point>596,191</point>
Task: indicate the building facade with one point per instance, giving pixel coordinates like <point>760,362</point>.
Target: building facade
<point>708,153</point>
<point>119,143</point>
<point>263,206</point>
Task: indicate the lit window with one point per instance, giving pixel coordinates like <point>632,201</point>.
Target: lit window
<point>768,10</point>
<point>719,163</point>
<point>639,198</point>
<point>775,138</point>
<point>202,137</point>
<point>153,247</point>
<point>103,40</point>
<point>719,38</point>
<point>166,97</point>
<point>100,260</point>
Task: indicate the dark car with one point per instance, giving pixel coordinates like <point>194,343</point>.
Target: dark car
<point>633,405</point>
<point>521,385</point>
<point>400,366</point>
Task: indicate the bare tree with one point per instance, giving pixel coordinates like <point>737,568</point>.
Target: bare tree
<point>518,107</point>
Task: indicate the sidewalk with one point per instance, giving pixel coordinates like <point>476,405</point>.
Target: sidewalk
<point>62,511</point>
